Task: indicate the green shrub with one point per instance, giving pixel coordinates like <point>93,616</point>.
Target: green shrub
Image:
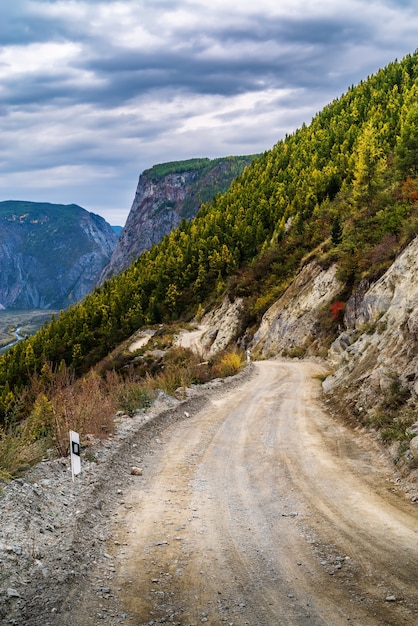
<point>133,397</point>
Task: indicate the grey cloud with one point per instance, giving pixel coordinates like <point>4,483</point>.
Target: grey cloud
<point>314,59</point>
<point>294,53</point>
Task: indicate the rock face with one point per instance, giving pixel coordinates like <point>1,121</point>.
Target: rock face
<point>223,325</point>
<point>165,195</point>
<point>50,255</point>
<point>291,325</point>
<point>380,342</point>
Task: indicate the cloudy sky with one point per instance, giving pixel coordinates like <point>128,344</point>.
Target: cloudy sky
<point>92,92</point>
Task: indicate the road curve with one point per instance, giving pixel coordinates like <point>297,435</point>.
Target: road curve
<point>263,510</point>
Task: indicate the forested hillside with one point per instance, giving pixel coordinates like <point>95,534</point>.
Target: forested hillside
<point>343,188</point>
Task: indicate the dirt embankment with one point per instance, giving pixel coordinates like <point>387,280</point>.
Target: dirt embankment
<point>257,508</point>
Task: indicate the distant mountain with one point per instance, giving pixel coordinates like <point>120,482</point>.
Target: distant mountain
<point>166,194</point>
<point>117,230</point>
<point>50,254</point>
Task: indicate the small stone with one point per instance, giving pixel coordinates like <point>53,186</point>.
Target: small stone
<point>12,593</point>
<point>390,598</point>
<point>136,471</point>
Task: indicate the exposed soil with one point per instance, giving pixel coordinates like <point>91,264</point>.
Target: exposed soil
<point>254,508</point>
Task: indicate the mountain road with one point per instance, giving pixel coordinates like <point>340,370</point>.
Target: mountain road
<point>261,509</point>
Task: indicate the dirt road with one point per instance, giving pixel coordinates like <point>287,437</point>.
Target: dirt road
<point>262,510</point>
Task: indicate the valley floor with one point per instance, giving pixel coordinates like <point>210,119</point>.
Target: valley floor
<point>256,508</point>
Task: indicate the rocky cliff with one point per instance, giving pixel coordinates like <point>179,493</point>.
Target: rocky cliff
<point>165,195</point>
<point>50,255</point>
<point>376,354</point>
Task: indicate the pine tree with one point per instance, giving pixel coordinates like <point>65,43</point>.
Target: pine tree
<point>406,151</point>
<point>336,231</point>
<point>369,165</point>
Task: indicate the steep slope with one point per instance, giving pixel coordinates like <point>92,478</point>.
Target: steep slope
<point>50,254</point>
<point>166,194</point>
<point>375,357</point>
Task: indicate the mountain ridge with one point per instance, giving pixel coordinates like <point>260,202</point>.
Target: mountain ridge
<point>50,254</point>
<point>166,194</point>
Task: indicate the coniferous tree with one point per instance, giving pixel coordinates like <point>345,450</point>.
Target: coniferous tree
<point>407,146</point>
<point>336,231</point>
<point>369,165</point>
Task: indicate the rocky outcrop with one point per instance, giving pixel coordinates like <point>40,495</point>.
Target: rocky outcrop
<point>165,195</point>
<point>291,326</point>
<point>381,336</point>
<point>152,215</point>
<point>50,255</point>
<point>222,326</point>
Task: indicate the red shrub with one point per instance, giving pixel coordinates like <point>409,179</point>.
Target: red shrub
<point>337,310</point>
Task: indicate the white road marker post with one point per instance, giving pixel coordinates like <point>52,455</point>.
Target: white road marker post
<point>75,453</point>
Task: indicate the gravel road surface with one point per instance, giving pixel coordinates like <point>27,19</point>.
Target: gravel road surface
<point>255,508</point>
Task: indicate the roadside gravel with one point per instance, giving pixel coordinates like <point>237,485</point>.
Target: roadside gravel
<point>251,506</point>
<point>53,531</point>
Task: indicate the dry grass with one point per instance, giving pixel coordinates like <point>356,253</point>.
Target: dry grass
<point>229,363</point>
<point>57,402</point>
<point>60,403</point>
<point>16,452</point>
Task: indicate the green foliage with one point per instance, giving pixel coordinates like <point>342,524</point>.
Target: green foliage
<point>369,166</point>
<point>41,421</point>
<point>133,397</point>
<point>407,145</point>
<point>336,231</point>
<point>157,172</point>
<point>204,165</point>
